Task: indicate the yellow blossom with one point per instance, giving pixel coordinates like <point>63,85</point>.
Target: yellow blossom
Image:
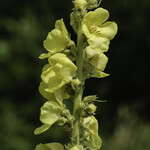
<point>58,73</point>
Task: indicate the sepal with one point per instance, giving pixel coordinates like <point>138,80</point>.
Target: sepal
<point>89,99</point>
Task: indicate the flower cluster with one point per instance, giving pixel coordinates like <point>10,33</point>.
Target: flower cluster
<point>67,69</point>
<point>56,76</point>
<point>98,34</point>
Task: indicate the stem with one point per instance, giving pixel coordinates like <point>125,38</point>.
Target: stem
<point>78,93</point>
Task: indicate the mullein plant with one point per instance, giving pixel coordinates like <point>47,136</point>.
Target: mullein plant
<point>69,65</point>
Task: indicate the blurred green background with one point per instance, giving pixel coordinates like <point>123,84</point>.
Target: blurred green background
<point>124,120</point>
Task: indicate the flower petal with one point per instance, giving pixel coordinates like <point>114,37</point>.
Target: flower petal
<point>96,17</point>
<point>41,129</point>
<point>91,52</point>
<point>62,59</point>
<point>100,74</point>
<point>100,44</point>
<point>108,30</point>
<point>58,96</point>
<point>52,81</point>
<point>50,112</point>
<point>50,146</point>
<point>63,66</point>
<point>61,94</point>
<point>45,55</point>
<point>61,26</point>
<point>95,142</point>
<point>99,61</point>
<point>44,93</point>
<point>56,41</point>
<point>92,123</point>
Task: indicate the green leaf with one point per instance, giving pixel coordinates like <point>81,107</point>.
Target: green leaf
<point>50,146</point>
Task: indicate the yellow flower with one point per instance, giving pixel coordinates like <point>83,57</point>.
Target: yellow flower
<point>94,23</point>
<point>98,33</point>
<point>50,113</point>
<point>58,96</point>
<point>58,73</point>
<point>57,40</point>
<point>93,141</point>
<point>98,60</point>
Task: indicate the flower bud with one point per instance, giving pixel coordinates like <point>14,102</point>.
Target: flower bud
<point>80,4</point>
<point>91,108</point>
<point>92,3</point>
<point>75,83</point>
<point>61,121</point>
<point>73,22</point>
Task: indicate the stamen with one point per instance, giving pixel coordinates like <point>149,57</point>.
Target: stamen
<point>94,29</point>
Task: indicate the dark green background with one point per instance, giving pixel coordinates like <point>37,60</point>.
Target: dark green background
<point>124,122</point>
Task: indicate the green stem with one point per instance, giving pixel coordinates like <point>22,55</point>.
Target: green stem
<point>78,93</point>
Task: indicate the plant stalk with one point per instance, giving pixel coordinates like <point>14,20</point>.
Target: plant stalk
<point>79,92</point>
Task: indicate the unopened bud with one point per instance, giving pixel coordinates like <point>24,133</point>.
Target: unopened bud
<point>75,83</point>
<point>73,22</point>
<point>91,4</point>
<point>61,121</point>
<point>91,108</point>
<point>80,4</point>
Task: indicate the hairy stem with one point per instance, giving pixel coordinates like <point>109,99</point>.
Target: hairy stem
<point>78,93</point>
